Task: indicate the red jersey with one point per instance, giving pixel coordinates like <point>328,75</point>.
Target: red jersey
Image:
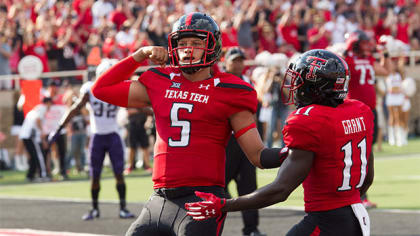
<point>230,38</point>
<point>340,139</point>
<point>290,34</point>
<point>322,42</point>
<point>362,79</point>
<point>39,50</point>
<point>192,125</point>
<point>403,32</point>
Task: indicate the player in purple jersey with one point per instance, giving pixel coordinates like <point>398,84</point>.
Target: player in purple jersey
<point>104,139</point>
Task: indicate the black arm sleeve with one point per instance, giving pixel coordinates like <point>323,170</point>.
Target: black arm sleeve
<point>273,157</point>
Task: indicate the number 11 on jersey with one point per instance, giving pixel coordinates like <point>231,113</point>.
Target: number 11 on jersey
<point>348,162</point>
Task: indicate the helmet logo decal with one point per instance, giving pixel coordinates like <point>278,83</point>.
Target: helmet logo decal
<point>315,64</point>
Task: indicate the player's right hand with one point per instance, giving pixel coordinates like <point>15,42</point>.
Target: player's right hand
<point>157,54</point>
<point>209,208</point>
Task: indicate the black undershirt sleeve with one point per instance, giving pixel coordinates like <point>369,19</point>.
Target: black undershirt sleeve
<point>273,157</point>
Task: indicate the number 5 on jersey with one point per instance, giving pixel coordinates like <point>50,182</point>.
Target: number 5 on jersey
<point>184,124</point>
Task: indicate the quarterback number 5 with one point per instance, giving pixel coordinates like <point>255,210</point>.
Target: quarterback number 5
<point>184,124</point>
<point>348,162</point>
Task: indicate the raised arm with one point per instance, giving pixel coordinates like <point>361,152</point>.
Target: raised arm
<point>381,68</point>
<point>114,85</point>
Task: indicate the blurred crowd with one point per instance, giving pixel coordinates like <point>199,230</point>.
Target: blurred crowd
<point>75,34</point>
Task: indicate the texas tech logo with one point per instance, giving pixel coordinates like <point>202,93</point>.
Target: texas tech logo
<point>316,64</point>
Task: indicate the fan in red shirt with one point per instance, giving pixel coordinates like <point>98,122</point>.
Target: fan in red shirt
<point>118,16</point>
<point>267,38</point>
<point>38,49</point>
<point>196,112</point>
<point>229,35</point>
<point>111,48</point>
<point>403,29</point>
<point>329,141</point>
<point>289,29</point>
<point>318,36</point>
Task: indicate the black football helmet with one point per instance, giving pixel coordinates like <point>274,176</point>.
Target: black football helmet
<point>195,25</point>
<point>316,77</point>
<point>354,41</point>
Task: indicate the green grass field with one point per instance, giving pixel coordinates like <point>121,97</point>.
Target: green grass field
<point>396,185</point>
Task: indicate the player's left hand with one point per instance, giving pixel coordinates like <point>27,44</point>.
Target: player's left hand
<point>209,208</point>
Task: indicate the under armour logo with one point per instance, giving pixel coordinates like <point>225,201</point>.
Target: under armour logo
<point>204,86</point>
<point>212,212</point>
<point>175,85</point>
<point>172,75</point>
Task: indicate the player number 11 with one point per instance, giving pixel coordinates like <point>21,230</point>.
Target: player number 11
<point>348,162</point>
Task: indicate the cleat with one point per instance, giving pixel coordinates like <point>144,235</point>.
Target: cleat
<point>128,171</point>
<point>94,213</point>
<point>368,204</point>
<point>125,214</point>
<point>149,170</point>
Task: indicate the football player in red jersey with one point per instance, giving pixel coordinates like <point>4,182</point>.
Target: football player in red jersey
<point>195,114</point>
<point>363,69</point>
<point>329,141</point>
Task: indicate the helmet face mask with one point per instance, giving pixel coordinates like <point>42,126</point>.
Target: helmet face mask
<point>176,48</point>
<point>195,25</point>
<point>316,77</point>
<point>292,81</point>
